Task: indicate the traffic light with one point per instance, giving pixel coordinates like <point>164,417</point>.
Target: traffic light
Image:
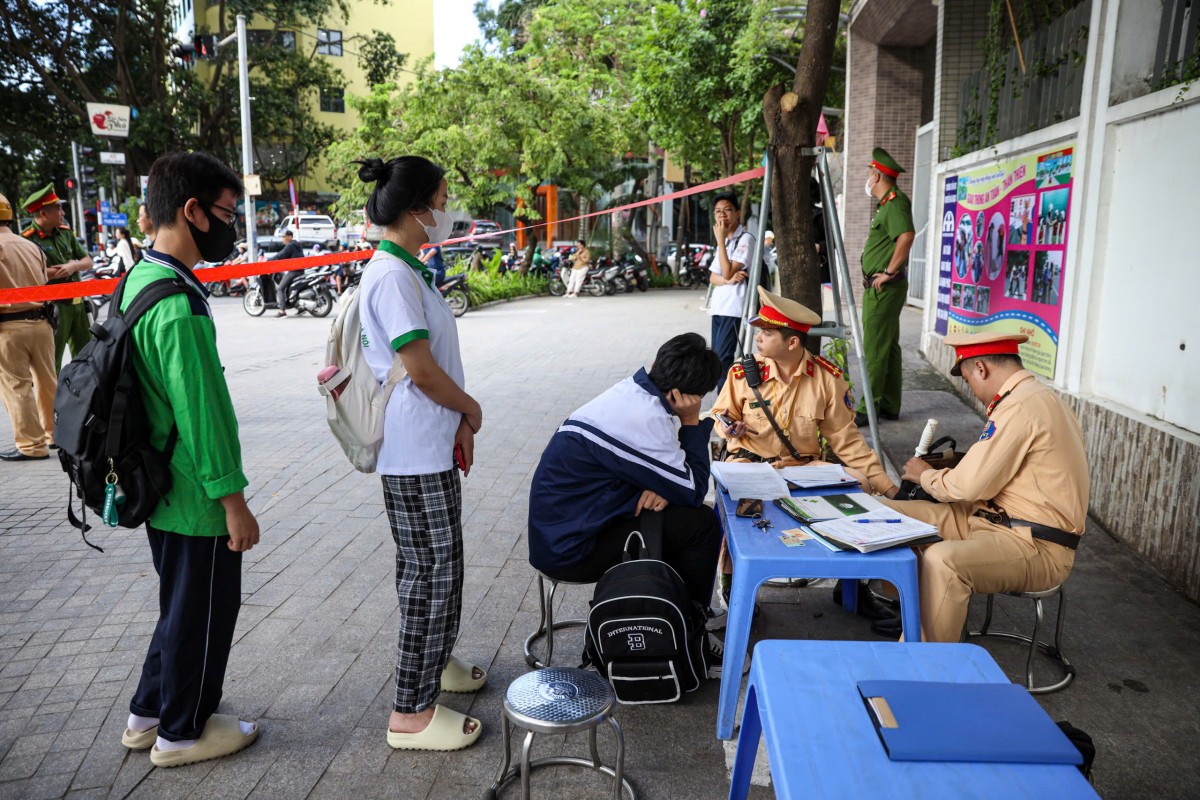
<point>184,52</point>
<point>205,46</point>
<point>71,185</point>
<point>87,173</point>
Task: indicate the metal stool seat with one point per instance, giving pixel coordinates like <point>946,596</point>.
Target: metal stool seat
<point>559,700</point>
<point>1035,644</point>
<point>547,625</point>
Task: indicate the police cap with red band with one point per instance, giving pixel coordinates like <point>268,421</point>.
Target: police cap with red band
<point>779,312</point>
<point>973,345</point>
<point>883,162</point>
<point>40,199</point>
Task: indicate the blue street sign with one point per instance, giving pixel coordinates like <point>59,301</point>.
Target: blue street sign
<point>114,220</point>
<point>105,207</point>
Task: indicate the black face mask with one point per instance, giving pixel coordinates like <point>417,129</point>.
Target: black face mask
<point>217,241</point>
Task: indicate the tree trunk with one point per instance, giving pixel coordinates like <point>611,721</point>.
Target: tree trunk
<point>792,118</point>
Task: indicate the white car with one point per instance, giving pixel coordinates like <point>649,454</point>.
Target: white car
<point>308,227</point>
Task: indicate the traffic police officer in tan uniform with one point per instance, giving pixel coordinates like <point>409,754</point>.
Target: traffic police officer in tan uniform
<point>1011,513</point>
<point>27,377</point>
<point>806,395</point>
<point>67,259</point>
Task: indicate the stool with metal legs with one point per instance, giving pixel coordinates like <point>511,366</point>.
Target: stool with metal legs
<point>547,625</point>
<point>1035,644</point>
<point>559,700</point>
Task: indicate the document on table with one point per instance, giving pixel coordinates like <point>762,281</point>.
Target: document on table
<point>817,476</point>
<point>830,506</point>
<point>756,481</point>
<point>874,530</point>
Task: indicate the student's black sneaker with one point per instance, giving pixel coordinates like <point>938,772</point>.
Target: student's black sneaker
<point>714,619</point>
<point>714,654</point>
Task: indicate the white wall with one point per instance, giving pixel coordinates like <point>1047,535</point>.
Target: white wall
<point>1143,326</point>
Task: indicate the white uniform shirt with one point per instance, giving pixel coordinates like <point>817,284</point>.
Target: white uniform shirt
<point>397,307</point>
<point>730,300</point>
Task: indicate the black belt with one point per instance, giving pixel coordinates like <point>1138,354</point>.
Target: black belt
<point>1038,530</point>
<point>757,459</point>
<point>33,314</point>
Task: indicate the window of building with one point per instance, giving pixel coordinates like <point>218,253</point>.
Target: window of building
<point>333,100</point>
<point>329,43</point>
<point>261,37</point>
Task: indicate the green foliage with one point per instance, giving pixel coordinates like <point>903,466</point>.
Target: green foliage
<point>488,286</point>
<point>130,209</point>
<point>379,59</point>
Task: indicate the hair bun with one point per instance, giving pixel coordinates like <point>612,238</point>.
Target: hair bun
<point>372,170</point>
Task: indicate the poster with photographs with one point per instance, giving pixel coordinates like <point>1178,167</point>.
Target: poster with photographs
<point>1005,228</point>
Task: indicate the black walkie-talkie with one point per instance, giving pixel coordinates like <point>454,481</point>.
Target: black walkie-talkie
<point>750,367</point>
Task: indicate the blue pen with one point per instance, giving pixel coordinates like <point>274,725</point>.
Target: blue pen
<point>869,521</point>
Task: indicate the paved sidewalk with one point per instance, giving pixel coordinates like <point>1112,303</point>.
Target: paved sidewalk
<point>314,651</point>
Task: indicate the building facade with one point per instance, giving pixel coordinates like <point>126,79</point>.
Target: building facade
<point>1052,186</point>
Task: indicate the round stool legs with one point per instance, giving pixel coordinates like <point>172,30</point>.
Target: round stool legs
<point>547,625</point>
<point>528,765</point>
<point>1035,644</point>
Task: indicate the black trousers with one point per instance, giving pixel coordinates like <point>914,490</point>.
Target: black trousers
<point>725,332</point>
<point>199,595</point>
<point>691,543</point>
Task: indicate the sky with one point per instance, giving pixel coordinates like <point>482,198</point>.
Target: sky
<point>454,27</point>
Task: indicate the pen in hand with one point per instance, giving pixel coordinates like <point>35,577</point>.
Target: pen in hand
<point>869,521</point>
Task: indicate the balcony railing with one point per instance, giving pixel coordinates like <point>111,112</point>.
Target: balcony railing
<point>1176,59</point>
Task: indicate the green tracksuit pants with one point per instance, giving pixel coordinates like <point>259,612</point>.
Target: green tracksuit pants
<point>72,330</point>
<point>881,345</point>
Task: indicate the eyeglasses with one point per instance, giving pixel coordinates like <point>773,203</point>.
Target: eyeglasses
<point>232,212</point>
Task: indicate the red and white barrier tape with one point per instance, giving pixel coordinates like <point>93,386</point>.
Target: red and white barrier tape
<point>68,291</point>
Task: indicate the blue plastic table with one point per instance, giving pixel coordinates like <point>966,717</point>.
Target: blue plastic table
<point>821,741</point>
<point>759,555</point>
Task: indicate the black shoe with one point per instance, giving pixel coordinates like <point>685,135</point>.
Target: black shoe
<point>868,606</point>
<point>860,419</point>
<point>888,628</point>
<point>52,446</point>
<point>889,415</point>
<point>17,455</point>
<point>714,655</point>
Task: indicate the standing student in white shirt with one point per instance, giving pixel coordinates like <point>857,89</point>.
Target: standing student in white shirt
<point>728,278</point>
<point>430,423</point>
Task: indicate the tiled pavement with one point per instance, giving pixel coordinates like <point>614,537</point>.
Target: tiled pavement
<point>314,649</point>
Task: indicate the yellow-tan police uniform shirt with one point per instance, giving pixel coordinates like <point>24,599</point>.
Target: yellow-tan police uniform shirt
<point>818,400</point>
<point>1029,460</point>
<point>22,263</point>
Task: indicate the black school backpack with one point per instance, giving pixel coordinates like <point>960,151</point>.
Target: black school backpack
<point>644,632</point>
<point>100,423</point>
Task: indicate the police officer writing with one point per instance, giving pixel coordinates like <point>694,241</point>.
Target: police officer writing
<point>799,396</point>
<point>27,377</point>
<point>67,259</point>
<point>1012,511</point>
<point>884,260</point>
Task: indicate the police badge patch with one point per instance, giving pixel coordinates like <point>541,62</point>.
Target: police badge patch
<point>849,399</point>
<point>989,431</point>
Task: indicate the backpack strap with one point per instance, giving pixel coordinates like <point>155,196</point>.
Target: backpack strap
<point>650,536</point>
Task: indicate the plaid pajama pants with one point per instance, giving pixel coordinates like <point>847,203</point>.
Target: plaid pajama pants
<point>425,512</point>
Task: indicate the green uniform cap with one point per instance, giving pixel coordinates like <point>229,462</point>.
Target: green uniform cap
<point>883,162</point>
<point>40,199</point>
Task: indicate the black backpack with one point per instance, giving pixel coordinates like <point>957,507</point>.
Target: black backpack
<point>644,632</point>
<point>100,421</point>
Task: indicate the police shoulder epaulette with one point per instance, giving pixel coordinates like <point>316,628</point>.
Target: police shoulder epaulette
<point>28,232</point>
<point>828,366</point>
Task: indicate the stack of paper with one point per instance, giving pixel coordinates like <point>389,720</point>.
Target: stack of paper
<point>874,530</point>
<point>830,506</point>
<point>818,476</point>
<point>756,481</point>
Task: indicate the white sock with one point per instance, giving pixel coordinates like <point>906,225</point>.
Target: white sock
<point>141,724</point>
<point>247,727</point>
<point>163,746</point>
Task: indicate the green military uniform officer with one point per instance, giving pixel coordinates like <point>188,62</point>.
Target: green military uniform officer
<point>66,258</point>
<point>884,261</point>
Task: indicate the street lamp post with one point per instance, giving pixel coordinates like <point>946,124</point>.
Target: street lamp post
<point>247,144</point>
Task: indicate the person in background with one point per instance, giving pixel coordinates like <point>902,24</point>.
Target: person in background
<point>579,268</point>
<point>432,258</point>
<point>27,377</point>
<point>728,278</point>
<point>291,249</point>
<point>66,258</point>
<point>145,226</point>
<point>429,424</point>
<point>122,252</point>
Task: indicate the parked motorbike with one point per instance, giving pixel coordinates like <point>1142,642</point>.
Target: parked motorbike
<point>308,292</point>
<point>594,282</point>
<point>694,271</point>
<point>614,276</point>
<point>635,273</point>
<point>457,293</point>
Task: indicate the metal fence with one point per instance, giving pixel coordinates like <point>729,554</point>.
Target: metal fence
<point>1003,102</point>
<point>1175,59</point>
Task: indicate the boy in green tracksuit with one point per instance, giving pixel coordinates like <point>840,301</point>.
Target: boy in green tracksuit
<point>884,265</point>
<point>200,530</point>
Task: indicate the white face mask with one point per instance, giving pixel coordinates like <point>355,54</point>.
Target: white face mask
<point>439,231</point>
<point>869,187</point>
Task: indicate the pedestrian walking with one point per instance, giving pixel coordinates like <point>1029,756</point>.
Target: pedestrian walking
<point>430,424</point>
<point>27,376</point>
<point>66,259</point>
<point>199,531</point>
<point>884,265</point>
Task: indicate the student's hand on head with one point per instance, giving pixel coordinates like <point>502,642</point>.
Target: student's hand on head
<point>719,231</point>
<point>685,406</point>
<point>649,501</point>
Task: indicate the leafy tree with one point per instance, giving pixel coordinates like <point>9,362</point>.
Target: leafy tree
<point>379,59</point>
<point>507,23</point>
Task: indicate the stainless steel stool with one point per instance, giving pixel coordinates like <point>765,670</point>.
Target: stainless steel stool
<point>547,625</point>
<point>559,700</point>
<point>1035,644</point>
